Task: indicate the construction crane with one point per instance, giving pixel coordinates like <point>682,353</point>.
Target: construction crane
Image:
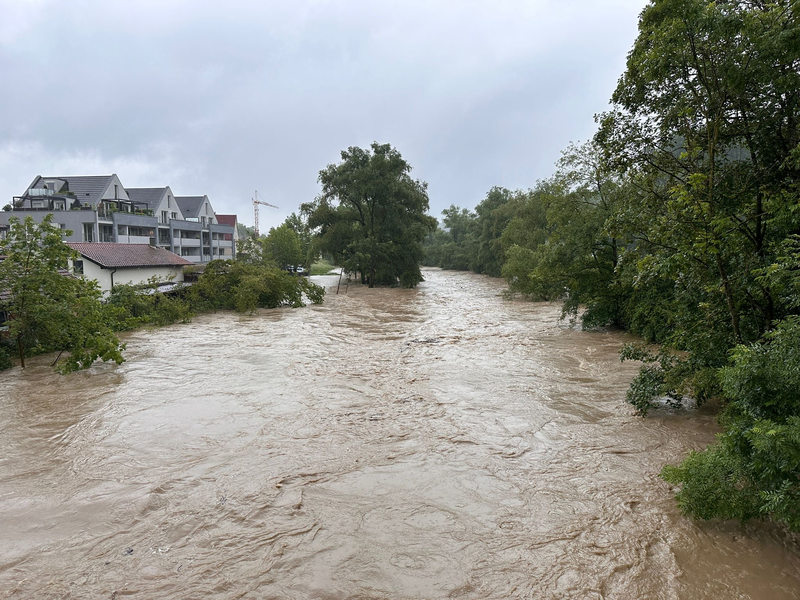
<point>256,202</point>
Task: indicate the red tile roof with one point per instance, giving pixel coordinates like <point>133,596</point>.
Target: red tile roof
<point>111,255</point>
<point>227,220</point>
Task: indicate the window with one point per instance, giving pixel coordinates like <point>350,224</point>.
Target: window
<point>174,215</point>
<point>164,216</point>
<point>116,192</point>
<point>169,202</point>
<point>88,232</point>
<point>77,267</point>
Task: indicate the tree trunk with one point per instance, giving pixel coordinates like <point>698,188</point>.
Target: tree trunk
<point>21,349</point>
<point>726,284</point>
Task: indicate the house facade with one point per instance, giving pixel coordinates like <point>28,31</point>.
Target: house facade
<point>113,264</point>
<point>100,209</point>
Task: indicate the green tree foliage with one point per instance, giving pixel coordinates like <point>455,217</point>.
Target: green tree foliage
<point>283,247</point>
<point>453,246</point>
<point>244,287</point>
<point>371,216</point>
<point>49,310</point>
<point>754,469</point>
<point>299,225</point>
<point>224,285</point>
<point>706,125</point>
<point>133,306</point>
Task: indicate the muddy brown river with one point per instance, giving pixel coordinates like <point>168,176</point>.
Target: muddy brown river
<point>441,442</point>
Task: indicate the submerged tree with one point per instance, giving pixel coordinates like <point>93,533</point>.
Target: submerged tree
<point>48,309</point>
<point>372,216</point>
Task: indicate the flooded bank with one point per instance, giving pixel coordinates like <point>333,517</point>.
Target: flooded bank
<point>432,443</point>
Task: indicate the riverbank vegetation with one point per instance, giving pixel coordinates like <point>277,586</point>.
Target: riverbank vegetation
<point>371,216</point>
<point>46,309</point>
<point>679,222</point>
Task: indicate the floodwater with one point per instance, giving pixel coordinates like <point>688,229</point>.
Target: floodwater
<point>433,443</point>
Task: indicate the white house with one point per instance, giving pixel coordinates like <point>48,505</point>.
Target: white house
<point>115,264</point>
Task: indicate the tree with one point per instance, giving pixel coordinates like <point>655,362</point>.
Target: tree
<point>706,122</point>
<point>371,215</point>
<point>282,245</point>
<point>299,225</point>
<point>453,245</point>
<point>48,309</point>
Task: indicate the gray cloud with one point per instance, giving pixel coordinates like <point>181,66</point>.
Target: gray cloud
<point>225,97</point>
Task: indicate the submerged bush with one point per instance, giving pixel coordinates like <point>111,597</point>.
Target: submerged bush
<point>5,360</point>
<point>245,287</point>
<point>753,471</point>
<point>229,285</point>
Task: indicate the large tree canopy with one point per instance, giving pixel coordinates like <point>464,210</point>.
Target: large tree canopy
<point>372,216</point>
<point>49,310</point>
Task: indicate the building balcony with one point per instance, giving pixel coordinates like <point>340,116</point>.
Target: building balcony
<point>189,242</point>
<point>133,239</point>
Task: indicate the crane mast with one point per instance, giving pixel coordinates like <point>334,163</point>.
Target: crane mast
<point>256,202</point>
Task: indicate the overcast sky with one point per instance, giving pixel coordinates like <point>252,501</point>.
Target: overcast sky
<point>222,98</point>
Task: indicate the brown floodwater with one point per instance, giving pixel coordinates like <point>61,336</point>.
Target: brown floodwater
<point>441,442</point>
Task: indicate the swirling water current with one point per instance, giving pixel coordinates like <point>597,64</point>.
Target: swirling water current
<point>441,442</point>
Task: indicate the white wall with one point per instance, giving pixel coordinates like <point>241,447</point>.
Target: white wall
<point>129,276</point>
<point>109,193</point>
<point>170,207</point>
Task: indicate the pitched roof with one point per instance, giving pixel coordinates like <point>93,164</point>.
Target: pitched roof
<point>190,205</point>
<point>109,255</point>
<point>87,188</point>
<point>149,196</point>
<point>227,220</point>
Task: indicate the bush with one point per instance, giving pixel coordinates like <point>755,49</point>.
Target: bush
<point>234,285</point>
<point>753,471</point>
<point>5,360</point>
<point>130,306</point>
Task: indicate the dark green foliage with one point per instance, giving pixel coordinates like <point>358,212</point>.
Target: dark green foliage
<point>299,224</point>
<point>668,376</point>
<point>5,358</point>
<point>371,216</point>
<point>282,247</point>
<point>135,306</point>
<point>452,247</point>
<point>754,469</point>
<point>235,285</point>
